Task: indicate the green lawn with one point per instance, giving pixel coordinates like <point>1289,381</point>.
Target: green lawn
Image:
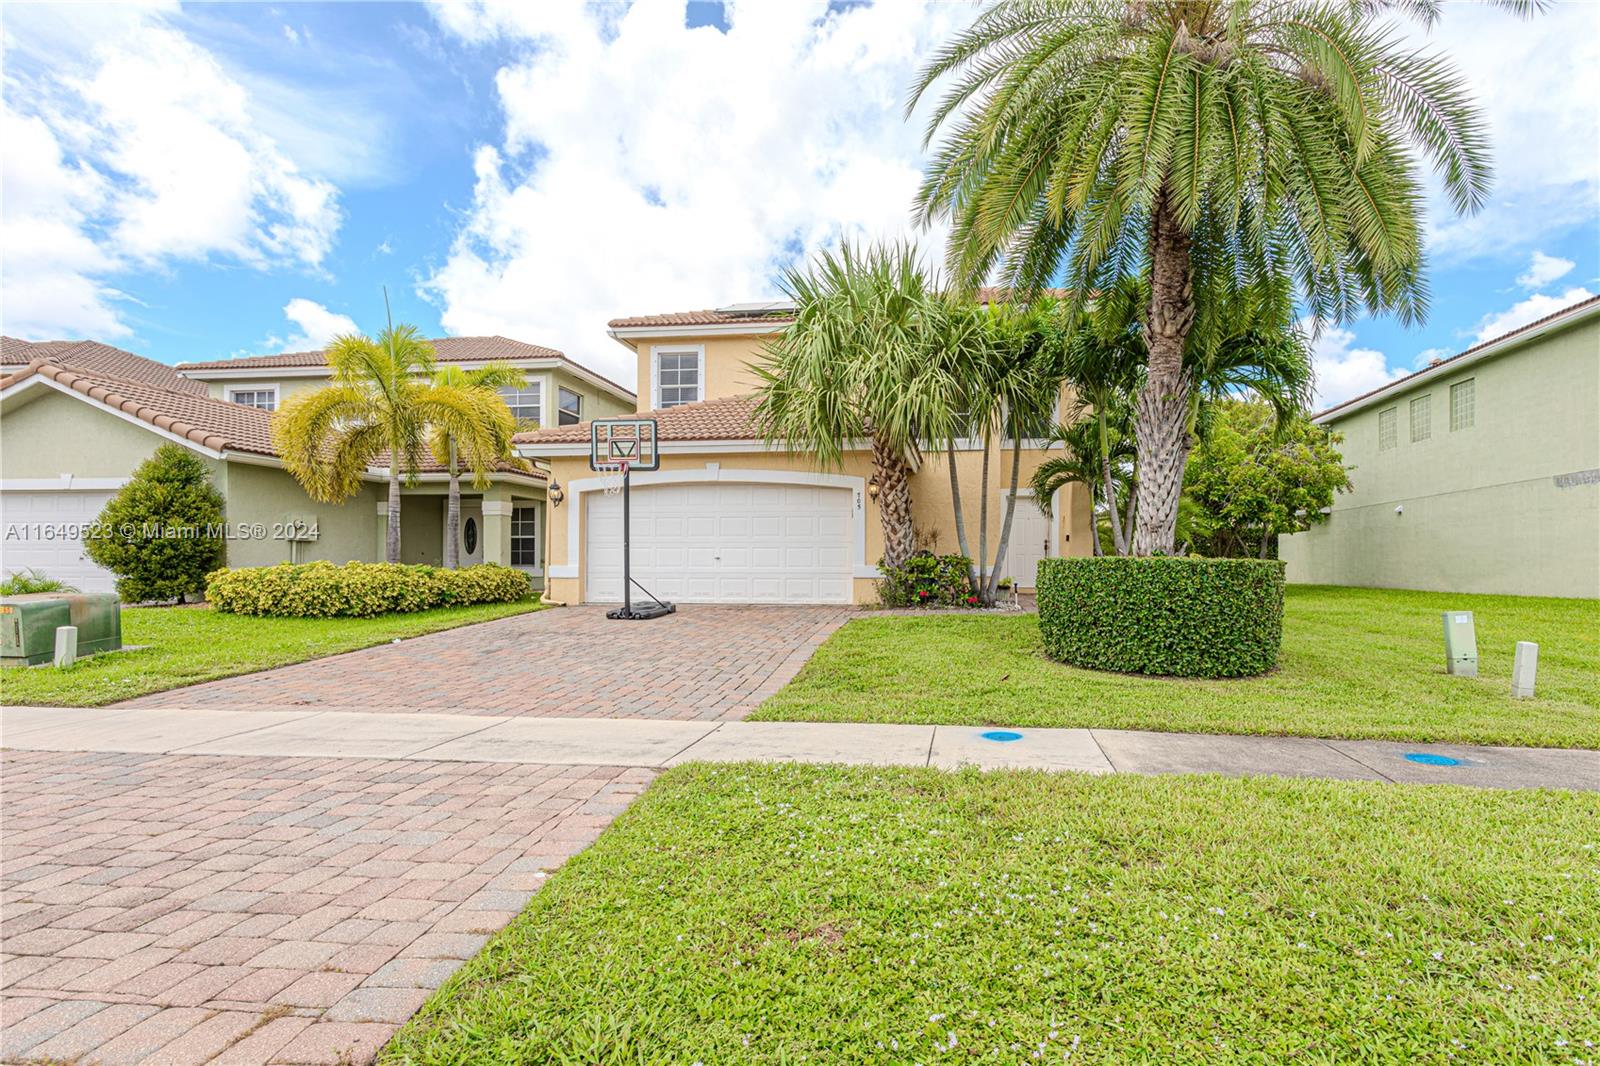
<point>786,914</point>
<point>1355,663</point>
<point>191,644</point>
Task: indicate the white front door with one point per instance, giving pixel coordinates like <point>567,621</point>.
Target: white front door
<point>43,531</point>
<point>723,542</point>
<point>1030,542</point>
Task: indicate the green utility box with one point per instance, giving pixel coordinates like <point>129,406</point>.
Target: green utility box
<point>28,624</point>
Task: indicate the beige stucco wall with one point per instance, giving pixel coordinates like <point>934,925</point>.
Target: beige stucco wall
<point>1481,508</point>
<point>287,386</point>
<point>726,359</point>
<point>931,507</point>
<point>44,434</point>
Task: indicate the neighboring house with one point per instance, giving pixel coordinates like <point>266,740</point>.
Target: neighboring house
<point>76,419</point>
<point>1479,473</point>
<point>730,518</point>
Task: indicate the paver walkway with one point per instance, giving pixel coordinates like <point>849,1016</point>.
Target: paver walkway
<point>374,733</point>
<point>709,662</point>
<point>251,910</point>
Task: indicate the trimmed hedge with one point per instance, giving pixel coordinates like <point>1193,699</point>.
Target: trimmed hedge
<point>359,590</point>
<point>1183,617</point>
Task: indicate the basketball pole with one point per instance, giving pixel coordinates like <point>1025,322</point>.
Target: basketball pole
<point>627,546</point>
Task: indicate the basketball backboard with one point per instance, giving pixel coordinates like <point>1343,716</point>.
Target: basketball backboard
<point>615,442</point>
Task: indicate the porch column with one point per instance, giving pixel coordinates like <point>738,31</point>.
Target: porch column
<point>497,525</point>
<point>382,526</point>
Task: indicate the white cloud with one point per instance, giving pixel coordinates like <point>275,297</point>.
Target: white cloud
<point>1543,269</point>
<point>1536,80</point>
<point>1532,309</point>
<point>315,325</point>
<point>1342,369</point>
<point>142,152</point>
<point>648,167</point>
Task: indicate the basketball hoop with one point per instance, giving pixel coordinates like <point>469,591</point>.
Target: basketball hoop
<point>612,476</point>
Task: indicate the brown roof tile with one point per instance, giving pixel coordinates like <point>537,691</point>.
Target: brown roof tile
<point>775,316</point>
<point>726,418</point>
<point>92,357</point>
<point>446,350</point>
<point>214,424</point>
<point>1535,324</point>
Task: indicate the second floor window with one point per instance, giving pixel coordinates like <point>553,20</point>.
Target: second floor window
<point>1463,404</point>
<point>1388,435</point>
<point>678,377</point>
<point>524,403</point>
<point>569,407</point>
<point>260,399</point>
<point>1421,418</point>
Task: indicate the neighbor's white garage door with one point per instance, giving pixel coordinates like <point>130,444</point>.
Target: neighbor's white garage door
<point>724,542</point>
<point>37,528</point>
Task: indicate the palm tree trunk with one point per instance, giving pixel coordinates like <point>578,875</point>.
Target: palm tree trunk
<point>894,502</point>
<point>452,516</point>
<point>983,519</point>
<point>391,549</point>
<point>1130,514</point>
<point>961,522</point>
<point>1118,537</point>
<point>993,584</point>
<point>1162,408</point>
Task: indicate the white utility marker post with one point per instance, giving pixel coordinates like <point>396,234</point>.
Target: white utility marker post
<point>66,645</point>
<point>1460,644</point>
<point>1523,668</point>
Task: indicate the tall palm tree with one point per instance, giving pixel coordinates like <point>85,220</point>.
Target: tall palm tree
<point>1001,373</point>
<point>1205,147</point>
<point>378,409</point>
<point>855,366</point>
<point>1103,367</point>
<point>494,427</point>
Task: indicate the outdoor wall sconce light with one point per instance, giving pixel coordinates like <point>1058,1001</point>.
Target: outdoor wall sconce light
<point>873,488</point>
<point>555,494</point>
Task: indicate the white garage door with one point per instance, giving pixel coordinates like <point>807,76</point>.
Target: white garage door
<point>724,542</point>
<point>41,532</point>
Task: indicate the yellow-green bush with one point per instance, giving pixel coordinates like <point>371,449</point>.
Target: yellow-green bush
<point>359,590</point>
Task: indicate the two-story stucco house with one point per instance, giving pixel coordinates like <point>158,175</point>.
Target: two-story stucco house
<point>731,518</point>
<point>1478,473</point>
<point>76,419</point>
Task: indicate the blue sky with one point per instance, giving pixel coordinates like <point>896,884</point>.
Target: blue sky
<point>237,179</point>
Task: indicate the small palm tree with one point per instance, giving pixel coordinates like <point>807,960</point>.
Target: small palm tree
<point>1204,148</point>
<point>497,426</point>
<point>378,410</point>
<point>855,365</point>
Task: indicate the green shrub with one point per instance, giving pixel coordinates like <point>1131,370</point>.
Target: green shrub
<point>27,581</point>
<point>359,590</point>
<point>162,533</point>
<point>1169,616</point>
<point>926,579</point>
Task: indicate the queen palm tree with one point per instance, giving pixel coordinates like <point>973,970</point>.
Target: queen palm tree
<point>855,366</point>
<point>1083,459</point>
<point>377,410</point>
<point>1206,147</point>
<point>497,424</point>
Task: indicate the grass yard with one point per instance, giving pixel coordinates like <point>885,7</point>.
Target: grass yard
<point>785,914</point>
<point>187,645</point>
<point>1355,663</point>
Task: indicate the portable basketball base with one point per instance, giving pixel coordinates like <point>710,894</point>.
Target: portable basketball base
<point>621,445</point>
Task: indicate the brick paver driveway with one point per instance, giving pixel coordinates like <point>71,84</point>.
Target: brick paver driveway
<point>188,909</point>
<point>705,662</point>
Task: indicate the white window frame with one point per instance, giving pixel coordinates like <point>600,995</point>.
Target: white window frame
<point>237,389</point>
<point>537,566</point>
<point>657,351</point>
<point>536,385</point>
<point>560,411</point>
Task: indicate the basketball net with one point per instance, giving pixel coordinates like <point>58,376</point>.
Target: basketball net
<point>612,475</point>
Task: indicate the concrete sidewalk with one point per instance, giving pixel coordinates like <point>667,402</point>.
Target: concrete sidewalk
<point>654,744</point>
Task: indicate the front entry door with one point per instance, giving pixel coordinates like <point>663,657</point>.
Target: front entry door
<point>1030,542</point>
<point>471,531</point>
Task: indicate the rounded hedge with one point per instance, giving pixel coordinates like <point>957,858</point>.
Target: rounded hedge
<point>1181,617</point>
<point>359,590</point>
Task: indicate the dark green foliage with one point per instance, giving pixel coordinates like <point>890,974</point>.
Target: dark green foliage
<point>926,580</point>
<point>1170,616</point>
<point>360,590</point>
<point>163,532</point>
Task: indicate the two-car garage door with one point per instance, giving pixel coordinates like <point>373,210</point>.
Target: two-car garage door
<point>724,542</point>
<point>43,532</point>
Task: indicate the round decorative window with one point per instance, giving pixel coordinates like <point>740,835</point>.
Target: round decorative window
<point>469,535</point>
